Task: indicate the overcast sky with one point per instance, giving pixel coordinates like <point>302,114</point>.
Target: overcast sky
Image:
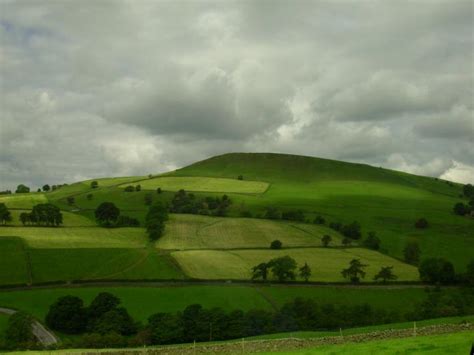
<point>97,88</point>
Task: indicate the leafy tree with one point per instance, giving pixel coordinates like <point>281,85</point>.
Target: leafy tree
<point>346,241</point>
<point>24,217</point>
<point>421,223</point>
<point>116,320</point>
<point>326,239</point>
<point>101,304</point>
<point>319,220</point>
<point>46,214</point>
<point>159,191</point>
<point>305,272</point>
<point>412,253</point>
<point>293,215</point>
<point>19,332</point>
<point>70,200</point>
<point>155,220</point>
<point>129,188</point>
<point>352,230</point>
<point>283,268</point>
<point>437,270</point>
<point>46,188</point>
<point>138,188</point>
<point>276,244</point>
<point>372,242</point>
<point>240,177</point>
<point>22,189</point>
<point>126,221</point>
<point>5,215</point>
<point>260,271</point>
<point>355,271</point>
<point>468,190</point>
<point>165,328</point>
<point>67,315</point>
<point>94,184</point>
<point>385,274</point>
<point>461,209</point>
<point>107,213</point>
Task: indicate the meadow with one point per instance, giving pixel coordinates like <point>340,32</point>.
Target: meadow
<point>23,201</point>
<point>326,263</point>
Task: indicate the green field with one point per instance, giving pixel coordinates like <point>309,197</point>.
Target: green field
<point>201,232</point>
<point>26,201</point>
<point>203,184</point>
<point>13,265</point>
<point>326,263</point>
<point>3,327</point>
<point>458,343</point>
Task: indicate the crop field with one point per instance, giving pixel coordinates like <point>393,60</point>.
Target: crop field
<point>455,343</point>
<point>26,201</point>
<point>13,266</point>
<point>326,263</point>
<point>203,184</point>
<point>78,237</point>
<point>202,232</point>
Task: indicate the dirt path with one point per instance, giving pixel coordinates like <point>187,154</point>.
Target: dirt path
<point>43,335</point>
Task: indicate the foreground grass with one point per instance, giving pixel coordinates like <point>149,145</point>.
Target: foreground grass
<point>326,263</point>
<point>458,343</point>
<point>203,184</point>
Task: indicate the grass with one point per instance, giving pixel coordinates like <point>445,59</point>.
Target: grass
<point>326,263</point>
<point>456,343</point>
<point>13,266</point>
<point>141,302</point>
<point>78,237</point>
<point>25,201</point>
<point>203,184</point>
<point>198,232</point>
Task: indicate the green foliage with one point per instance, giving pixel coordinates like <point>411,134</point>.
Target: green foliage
<point>352,230</point>
<point>184,202</point>
<point>272,212</point>
<point>107,213</point>
<point>260,271</point>
<point>155,220</point>
<point>293,215</point>
<point>148,199</point>
<point>70,200</point>
<point>19,332</point>
<point>346,241</point>
<point>283,268</point>
<point>470,273</point>
<point>276,244</point>
<point>305,272</point>
<point>5,215</point>
<point>319,220</point>
<point>421,223</point>
<point>468,190</point>
<point>437,271</point>
<point>67,315</point>
<point>22,189</point>
<point>412,253</point>
<point>43,215</point>
<point>372,241</point>
<point>326,239</point>
<point>461,209</point>
<point>355,271</point>
<point>385,274</point>
<point>46,188</point>
<point>94,184</point>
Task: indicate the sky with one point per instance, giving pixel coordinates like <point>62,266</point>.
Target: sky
<point>98,88</point>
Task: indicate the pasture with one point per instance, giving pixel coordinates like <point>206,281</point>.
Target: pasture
<point>23,201</point>
<point>203,184</point>
<point>326,263</point>
<point>202,232</point>
<point>13,262</point>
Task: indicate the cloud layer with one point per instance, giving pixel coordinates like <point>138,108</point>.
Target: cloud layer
<point>133,87</point>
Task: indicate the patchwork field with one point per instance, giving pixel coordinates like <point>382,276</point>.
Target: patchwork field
<point>203,184</point>
<point>201,232</point>
<point>13,261</point>
<point>26,201</point>
<point>326,263</point>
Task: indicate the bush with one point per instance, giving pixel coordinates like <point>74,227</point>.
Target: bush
<point>352,230</point>
<point>293,215</point>
<point>129,188</point>
<point>372,242</point>
<point>19,332</point>
<point>421,223</point>
<point>276,244</point>
<point>461,209</point>
<point>246,214</point>
<point>67,315</point>
<point>22,189</point>
<point>240,177</point>
<point>437,270</point>
<point>94,184</point>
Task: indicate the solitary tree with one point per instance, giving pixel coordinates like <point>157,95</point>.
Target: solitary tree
<point>240,177</point>
<point>155,220</point>
<point>412,253</point>
<point>276,244</point>
<point>372,241</point>
<point>305,272</point>
<point>461,209</point>
<point>138,188</point>
<point>5,215</point>
<point>89,196</point>
<point>385,274</point>
<point>260,271</point>
<point>94,184</point>
<point>107,213</point>
<point>158,190</point>
<point>355,271</point>
<point>148,199</point>
<point>22,189</point>
<point>283,268</point>
<point>326,240</point>
<point>46,188</point>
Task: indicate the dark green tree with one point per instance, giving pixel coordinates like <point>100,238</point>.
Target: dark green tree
<point>352,230</point>
<point>5,215</point>
<point>46,188</point>
<point>22,189</point>
<point>276,244</point>
<point>283,268</point>
<point>260,271</point>
<point>94,184</point>
<point>385,274</point>
<point>272,213</point>
<point>107,213</point>
<point>468,190</point>
<point>89,196</point>
<point>355,271</point>
<point>305,272</point>
<point>138,188</point>
<point>115,321</point>
<point>346,241</point>
<point>319,220</point>
<point>421,223</point>
<point>372,241</point>
<point>461,209</point>
<point>155,220</point>
<point>67,315</point>
<point>19,332</point>
<point>148,199</point>
<point>412,253</point>
<point>165,328</point>
<point>46,214</point>
<point>159,191</point>
<point>437,271</point>
<point>326,239</point>
<point>101,304</point>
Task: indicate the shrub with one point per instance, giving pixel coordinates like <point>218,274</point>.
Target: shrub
<point>22,189</point>
<point>372,242</point>
<point>352,230</point>
<point>67,315</point>
<point>94,184</point>
<point>276,244</point>
<point>240,177</point>
<point>272,213</point>
<point>461,209</point>
<point>129,188</point>
<point>19,332</point>
<point>437,270</point>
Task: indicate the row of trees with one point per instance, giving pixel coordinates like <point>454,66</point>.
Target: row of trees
<point>184,202</point>
<point>43,215</point>
<point>282,268</point>
<point>155,220</point>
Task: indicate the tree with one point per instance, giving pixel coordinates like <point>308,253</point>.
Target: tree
<point>46,214</point>
<point>346,241</point>
<point>240,177</point>
<point>67,315</point>
<point>260,271</point>
<point>412,253</point>
<point>326,240</point>
<point>25,217</point>
<point>351,230</point>
<point>116,320</point>
<point>70,200</point>
<point>46,188</point>
<point>283,268</point>
<point>166,328</point>
<point>5,215</point>
<point>355,271</point>
<point>421,223</point>
<point>19,332</point>
<point>372,241</point>
<point>319,220</point>
<point>22,189</point>
<point>155,220</point>
<point>101,304</point>
<point>107,213</point>
<point>138,188</point>
<point>437,270</point>
<point>148,199</point>
<point>276,244</point>
<point>461,209</point>
<point>468,190</point>
<point>385,274</point>
<point>159,191</point>
<point>305,272</point>
<point>94,184</point>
